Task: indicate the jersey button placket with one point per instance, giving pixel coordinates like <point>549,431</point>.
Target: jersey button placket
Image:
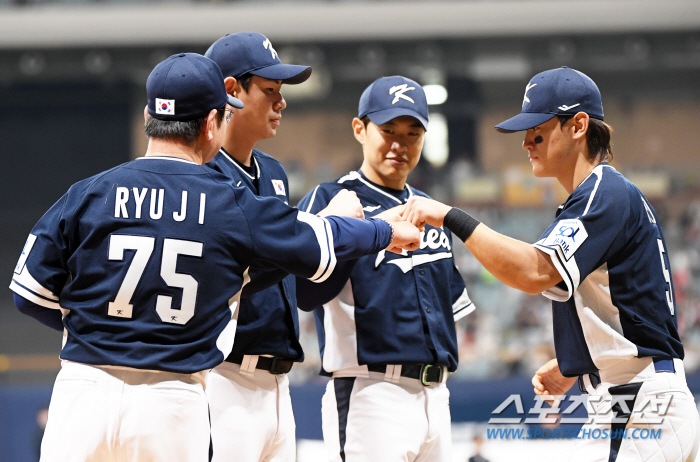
<point>422,271</point>
<point>426,308</point>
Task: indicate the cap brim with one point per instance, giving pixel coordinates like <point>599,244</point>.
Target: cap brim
<point>523,121</point>
<point>287,73</point>
<point>235,102</point>
<point>382,117</point>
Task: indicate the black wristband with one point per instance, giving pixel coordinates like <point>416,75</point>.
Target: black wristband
<point>460,223</point>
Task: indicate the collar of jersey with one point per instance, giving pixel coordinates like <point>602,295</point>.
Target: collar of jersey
<point>235,162</point>
<point>176,159</point>
<point>389,192</point>
<point>603,164</point>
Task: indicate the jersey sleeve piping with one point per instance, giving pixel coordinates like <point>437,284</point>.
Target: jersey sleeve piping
<point>568,271</point>
<point>463,306</point>
<point>311,201</point>
<point>24,285</point>
<point>324,236</point>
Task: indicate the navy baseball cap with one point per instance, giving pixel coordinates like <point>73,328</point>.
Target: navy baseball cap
<point>562,91</point>
<point>250,52</point>
<point>186,86</point>
<point>390,97</point>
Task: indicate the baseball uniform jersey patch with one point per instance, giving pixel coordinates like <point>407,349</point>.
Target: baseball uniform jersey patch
<point>568,235</point>
<point>165,106</point>
<point>279,187</point>
<point>25,253</point>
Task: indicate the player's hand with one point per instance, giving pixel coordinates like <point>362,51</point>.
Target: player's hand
<point>393,214</point>
<point>406,236</point>
<point>422,211</point>
<point>344,204</point>
<point>548,380</point>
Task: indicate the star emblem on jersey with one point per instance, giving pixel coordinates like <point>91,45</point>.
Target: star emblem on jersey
<point>268,45</point>
<point>528,88</point>
<point>165,106</point>
<point>398,92</point>
<point>564,107</point>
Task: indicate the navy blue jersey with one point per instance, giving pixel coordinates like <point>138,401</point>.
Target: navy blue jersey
<point>396,309</point>
<point>268,322</point>
<point>147,261</point>
<point>616,300</point>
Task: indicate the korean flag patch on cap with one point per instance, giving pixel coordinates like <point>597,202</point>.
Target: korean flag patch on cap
<point>568,235</point>
<point>165,106</point>
<point>279,187</point>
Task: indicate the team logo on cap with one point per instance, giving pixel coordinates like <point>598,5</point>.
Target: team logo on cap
<point>165,106</point>
<point>267,44</point>
<point>565,108</point>
<point>528,88</point>
<point>398,92</point>
<point>279,187</point>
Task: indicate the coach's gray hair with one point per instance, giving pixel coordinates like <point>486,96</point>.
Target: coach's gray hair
<point>187,131</point>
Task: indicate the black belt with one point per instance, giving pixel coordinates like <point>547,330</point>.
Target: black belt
<point>426,373</point>
<point>660,365</point>
<point>274,365</point>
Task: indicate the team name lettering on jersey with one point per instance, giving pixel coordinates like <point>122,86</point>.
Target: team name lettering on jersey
<point>123,196</point>
<point>568,235</point>
<point>434,239</point>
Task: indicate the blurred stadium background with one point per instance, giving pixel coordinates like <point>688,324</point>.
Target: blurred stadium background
<point>72,92</point>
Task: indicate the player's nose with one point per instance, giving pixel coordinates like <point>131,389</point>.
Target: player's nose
<point>399,146</point>
<point>281,103</point>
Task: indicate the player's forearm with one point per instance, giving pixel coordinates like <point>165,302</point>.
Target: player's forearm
<point>262,280</point>
<point>354,238</point>
<point>310,295</point>
<point>47,316</point>
<point>513,262</point>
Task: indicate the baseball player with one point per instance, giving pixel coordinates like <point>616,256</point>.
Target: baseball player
<point>143,265</point>
<point>388,339</point>
<point>250,405</point>
<point>604,264</point>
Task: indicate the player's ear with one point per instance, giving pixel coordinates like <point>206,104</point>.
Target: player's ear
<point>210,125</point>
<point>359,130</point>
<point>145,113</point>
<point>233,88</point>
<point>580,121</point>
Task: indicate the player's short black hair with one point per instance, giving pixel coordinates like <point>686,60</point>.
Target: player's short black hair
<point>244,80</point>
<point>598,138</point>
<point>365,120</point>
<point>187,131</point>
